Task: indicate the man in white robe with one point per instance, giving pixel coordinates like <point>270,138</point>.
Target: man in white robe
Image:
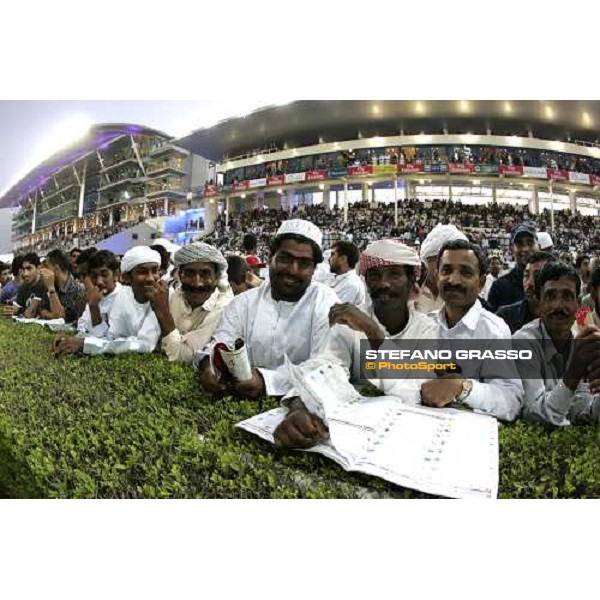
<point>287,315</point>
<point>132,326</point>
<point>348,286</point>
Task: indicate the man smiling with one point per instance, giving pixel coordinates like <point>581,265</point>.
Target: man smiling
<point>288,315</point>
<point>190,316</point>
<point>132,326</point>
<point>462,270</point>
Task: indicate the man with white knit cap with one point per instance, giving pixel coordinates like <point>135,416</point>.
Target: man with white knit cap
<point>287,315</point>
<point>391,270</point>
<point>189,317</point>
<point>429,297</point>
<point>132,325</point>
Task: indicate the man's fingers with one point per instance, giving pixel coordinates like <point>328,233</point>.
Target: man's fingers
<point>290,436</point>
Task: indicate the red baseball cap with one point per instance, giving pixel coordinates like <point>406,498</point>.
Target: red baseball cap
<point>254,261</point>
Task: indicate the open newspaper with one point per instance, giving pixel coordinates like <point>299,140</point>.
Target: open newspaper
<point>445,452</point>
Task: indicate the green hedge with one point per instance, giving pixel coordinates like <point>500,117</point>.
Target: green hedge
<point>138,427</point>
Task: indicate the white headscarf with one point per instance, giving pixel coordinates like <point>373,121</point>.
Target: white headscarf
<point>437,237</point>
<point>138,255</point>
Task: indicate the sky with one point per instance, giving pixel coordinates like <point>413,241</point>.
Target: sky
<point>32,130</point>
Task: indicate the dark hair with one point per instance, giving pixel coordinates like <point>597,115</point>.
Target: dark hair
<point>541,255</point>
<point>60,260</point>
<point>580,259</point>
<point>552,271</point>
<point>594,279</point>
<point>32,258</point>
<point>4,266</point>
<point>249,242</point>
<point>276,242</point>
<point>164,256</point>
<point>85,255</point>
<point>102,258</point>
<point>464,245</point>
<point>237,268</point>
<point>349,250</point>
<point>17,263</point>
<point>74,249</point>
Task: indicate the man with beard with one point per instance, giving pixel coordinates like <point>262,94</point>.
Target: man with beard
<point>582,264</point>
<point>508,289</point>
<point>347,284</point>
<point>102,288</point>
<point>462,268</point>
<point>241,278</point>
<point>287,315</point>
<point>429,298</point>
<point>132,326</point>
<point>391,270</point>
<point>189,317</point>
<point>556,392</point>
<point>520,313</point>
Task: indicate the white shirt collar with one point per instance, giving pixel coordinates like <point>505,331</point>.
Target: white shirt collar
<point>470,320</point>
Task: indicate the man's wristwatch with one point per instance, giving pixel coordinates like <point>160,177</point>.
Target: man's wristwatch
<point>51,293</point>
<point>467,386</point>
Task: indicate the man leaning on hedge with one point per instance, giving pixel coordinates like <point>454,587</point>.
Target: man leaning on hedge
<point>133,326</point>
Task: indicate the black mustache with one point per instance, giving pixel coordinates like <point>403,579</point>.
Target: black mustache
<point>295,279</point>
<point>558,313</point>
<point>458,288</point>
<point>196,290</point>
<point>375,294</point>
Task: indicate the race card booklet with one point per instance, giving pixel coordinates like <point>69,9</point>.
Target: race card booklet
<point>444,452</point>
<point>234,360</point>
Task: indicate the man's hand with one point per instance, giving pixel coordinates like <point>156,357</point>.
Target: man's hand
<point>93,295</point>
<point>47,277</point>
<point>300,429</point>
<point>350,315</point>
<point>159,297</point>
<point>209,382</point>
<point>585,360</point>
<point>253,388</point>
<point>66,345</point>
<point>440,392</point>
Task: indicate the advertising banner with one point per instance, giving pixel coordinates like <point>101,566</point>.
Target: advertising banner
<point>316,175</point>
<point>295,177</point>
<point>511,170</point>
<point>536,172</point>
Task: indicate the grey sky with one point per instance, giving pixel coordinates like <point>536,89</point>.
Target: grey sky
<point>25,126</point>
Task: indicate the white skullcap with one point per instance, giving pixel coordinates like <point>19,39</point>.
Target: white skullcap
<point>544,240</point>
<point>138,255</point>
<point>437,237</point>
<point>389,252</point>
<point>202,252</point>
<point>301,227</point>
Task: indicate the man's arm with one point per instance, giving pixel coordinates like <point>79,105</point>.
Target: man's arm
<point>145,341</point>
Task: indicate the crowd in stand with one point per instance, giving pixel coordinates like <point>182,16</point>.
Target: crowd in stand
<point>487,225</point>
<point>193,302</point>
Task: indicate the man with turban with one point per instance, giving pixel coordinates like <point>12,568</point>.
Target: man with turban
<point>429,297</point>
<point>190,316</point>
<point>391,270</point>
<point>287,315</point>
<point>132,325</point>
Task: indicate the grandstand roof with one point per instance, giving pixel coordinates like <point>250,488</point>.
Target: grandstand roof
<point>306,122</point>
<point>97,136</point>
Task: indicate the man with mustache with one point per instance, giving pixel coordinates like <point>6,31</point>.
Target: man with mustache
<point>429,298</point>
<point>287,315</point>
<point>508,289</point>
<point>391,270</point>
<point>132,326</point>
<point>462,269</point>
<point>102,286</point>
<point>190,315</point>
<point>524,311</point>
<point>556,391</point>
